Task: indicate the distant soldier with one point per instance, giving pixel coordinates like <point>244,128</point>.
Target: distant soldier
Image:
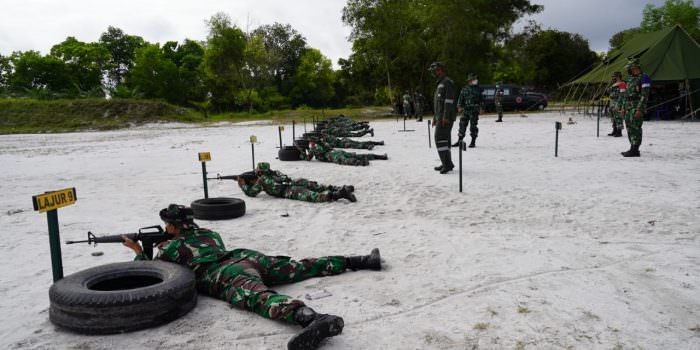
<point>342,131</point>
<point>498,101</point>
<point>616,92</point>
<point>277,184</point>
<point>445,115</point>
<point>420,105</point>
<point>325,153</point>
<point>344,142</point>
<point>468,105</point>
<point>407,105</point>
<point>635,99</point>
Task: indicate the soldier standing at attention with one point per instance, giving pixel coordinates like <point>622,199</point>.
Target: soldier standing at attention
<point>445,115</point>
<point>618,89</point>
<point>243,277</point>
<point>636,97</point>
<point>498,101</point>
<point>468,104</point>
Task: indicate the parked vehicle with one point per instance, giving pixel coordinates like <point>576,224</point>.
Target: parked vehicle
<point>515,98</point>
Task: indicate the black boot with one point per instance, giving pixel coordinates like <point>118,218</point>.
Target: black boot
<point>618,133</point>
<point>350,188</point>
<point>378,143</point>
<point>438,168</point>
<point>459,141</point>
<point>614,132</point>
<point>473,143</point>
<point>633,152</point>
<point>316,328</point>
<point>446,161</point>
<point>347,194</point>
<point>371,131</point>
<point>381,156</point>
<point>373,261</point>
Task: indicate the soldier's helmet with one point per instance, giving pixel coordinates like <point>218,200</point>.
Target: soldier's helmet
<point>177,215</point>
<point>472,76</point>
<point>263,167</point>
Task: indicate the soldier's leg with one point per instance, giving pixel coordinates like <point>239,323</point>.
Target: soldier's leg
<point>628,123</point>
<point>473,124</point>
<point>442,143</point>
<point>463,123</point>
<point>311,185</point>
<point>634,130</point>
<point>283,269</point>
<point>240,284</point>
<point>304,194</point>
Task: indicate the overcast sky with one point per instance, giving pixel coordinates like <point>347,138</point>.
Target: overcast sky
<point>39,24</point>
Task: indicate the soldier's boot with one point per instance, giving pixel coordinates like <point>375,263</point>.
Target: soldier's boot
<point>459,142</point>
<point>378,143</point>
<point>614,132</point>
<point>439,167</point>
<point>316,328</point>
<point>633,152</point>
<point>345,193</point>
<point>381,156</point>
<point>350,188</point>
<point>371,132</point>
<point>473,143</point>
<point>373,261</point>
<point>618,132</point>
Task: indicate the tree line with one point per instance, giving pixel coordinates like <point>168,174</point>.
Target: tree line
<point>273,67</point>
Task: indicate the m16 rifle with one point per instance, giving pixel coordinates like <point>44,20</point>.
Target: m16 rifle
<point>248,175</point>
<point>149,236</point>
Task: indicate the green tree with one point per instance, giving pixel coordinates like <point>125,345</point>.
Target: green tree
<point>620,38</point>
<point>223,61</point>
<point>284,47</point>
<point>152,74</point>
<point>87,63</point>
<point>5,73</point>
<point>313,81</point>
<point>48,76</point>
<point>672,12</point>
<point>122,48</point>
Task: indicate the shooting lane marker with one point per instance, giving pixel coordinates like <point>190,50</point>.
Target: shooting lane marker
<point>279,130</point>
<point>404,126</point>
<point>48,203</point>
<point>462,147</point>
<point>430,145</point>
<point>294,135</point>
<point>253,141</point>
<point>204,157</point>
<point>557,127</point>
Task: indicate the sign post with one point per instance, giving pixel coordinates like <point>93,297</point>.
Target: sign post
<point>557,127</point>
<point>461,149</point>
<point>280,129</point>
<point>294,135</point>
<point>404,126</point>
<point>48,203</point>
<point>429,142</point>
<point>600,111</point>
<point>204,157</point>
<point>253,140</point>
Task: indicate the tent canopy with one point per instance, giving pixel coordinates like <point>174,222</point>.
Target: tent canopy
<point>666,55</point>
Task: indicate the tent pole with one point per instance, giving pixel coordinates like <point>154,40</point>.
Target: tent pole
<point>689,98</point>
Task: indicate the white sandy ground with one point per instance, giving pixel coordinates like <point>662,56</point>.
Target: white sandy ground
<point>585,251</point>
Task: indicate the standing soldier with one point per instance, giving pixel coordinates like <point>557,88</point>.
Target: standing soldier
<point>617,91</point>
<point>636,97</point>
<point>420,104</point>
<point>445,115</point>
<point>407,110</point>
<point>468,104</point>
<point>498,101</point>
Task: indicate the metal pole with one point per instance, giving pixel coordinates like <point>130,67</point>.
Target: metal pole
<point>294,135</point>
<point>55,245</point>
<point>597,132</point>
<point>279,130</point>
<point>304,124</point>
<point>429,142</point>
<point>204,176</point>
<point>252,152</point>
<point>461,149</point>
<point>556,142</point>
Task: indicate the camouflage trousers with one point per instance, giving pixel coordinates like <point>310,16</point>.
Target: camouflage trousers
<point>348,158</point>
<point>470,118</point>
<point>348,143</point>
<point>634,127</point>
<point>244,280</point>
<point>499,110</point>
<point>347,133</point>
<point>308,191</point>
<point>617,119</point>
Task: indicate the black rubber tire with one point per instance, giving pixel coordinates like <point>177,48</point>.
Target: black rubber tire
<point>220,208</point>
<point>289,154</point>
<point>117,298</point>
<point>303,143</point>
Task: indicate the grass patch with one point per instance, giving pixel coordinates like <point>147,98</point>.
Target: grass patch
<point>523,310</point>
<point>481,326</point>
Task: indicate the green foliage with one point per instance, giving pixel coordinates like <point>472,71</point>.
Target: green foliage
<point>85,61</point>
<point>122,48</point>
<point>223,60</point>
<point>313,81</point>
<point>619,38</point>
<point>672,12</point>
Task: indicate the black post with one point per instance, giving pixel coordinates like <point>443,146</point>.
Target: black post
<point>597,132</point>
<point>429,142</point>
<point>557,127</point>
<point>304,124</point>
<point>294,136</point>
<point>204,176</point>
<point>55,245</point>
<point>279,129</point>
<point>461,149</point>
<point>252,152</point>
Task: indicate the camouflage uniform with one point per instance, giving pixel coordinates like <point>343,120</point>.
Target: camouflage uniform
<point>341,131</point>
<point>242,277</point>
<point>325,153</point>
<point>420,105</point>
<point>407,104</point>
<point>498,101</point>
<point>617,92</point>
<point>277,184</point>
<point>635,100</point>
<point>470,101</point>
<point>347,143</point>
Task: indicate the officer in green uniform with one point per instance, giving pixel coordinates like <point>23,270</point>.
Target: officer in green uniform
<point>407,105</point>
<point>277,184</point>
<point>242,277</point>
<point>615,92</point>
<point>498,101</point>
<point>636,97</point>
<point>469,104</point>
<point>444,104</point>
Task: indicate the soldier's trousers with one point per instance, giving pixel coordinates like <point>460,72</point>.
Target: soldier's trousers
<point>348,143</point>
<point>499,110</point>
<point>617,119</point>
<point>244,282</point>
<point>443,141</point>
<point>634,127</point>
<point>306,194</point>
<point>351,134</point>
<point>469,118</point>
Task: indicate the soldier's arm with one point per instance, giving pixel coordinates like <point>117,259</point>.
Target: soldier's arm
<point>646,89</point>
<point>450,107</point>
<point>250,189</point>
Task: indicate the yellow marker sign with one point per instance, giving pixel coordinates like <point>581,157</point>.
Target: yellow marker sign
<point>204,156</point>
<point>253,139</point>
<point>54,200</point>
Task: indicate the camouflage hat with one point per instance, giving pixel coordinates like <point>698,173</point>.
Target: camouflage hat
<point>633,63</point>
<point>617,75</point>
<point>263,166</point>
<point>472,76</point>
<point>177,214</point>
<point>435,66</point>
